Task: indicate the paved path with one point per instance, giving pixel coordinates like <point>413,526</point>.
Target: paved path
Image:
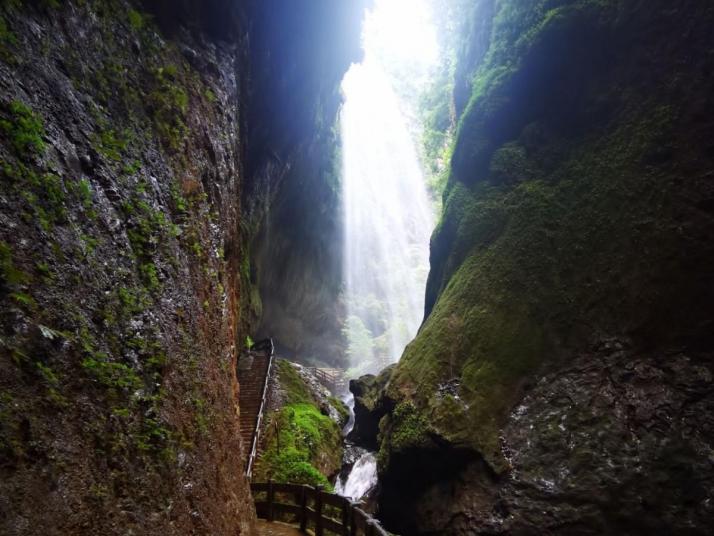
<point>276,529</point>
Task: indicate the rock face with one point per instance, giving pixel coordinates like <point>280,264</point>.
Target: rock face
<point>370,406</point>
<point>127,178</point>
<point>578,209</point>
<point>616,443</point>
<point>623,446</point>
<point>121,170</point>
<point>297,252</point>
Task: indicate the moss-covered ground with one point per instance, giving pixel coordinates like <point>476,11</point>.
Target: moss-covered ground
<point>301,444</point>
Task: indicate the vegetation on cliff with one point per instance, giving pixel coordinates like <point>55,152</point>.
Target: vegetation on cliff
<point>557,179</point>
<point>577,208</point>
<point>114,341</point>
<point>301,445</point>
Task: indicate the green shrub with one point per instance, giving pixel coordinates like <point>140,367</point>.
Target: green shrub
<point>148,229</point>
<point>292,466</point>
<point>136,19</point>
<point>24,129</point>
<point>10,275</point>
<point>300,441</point>
<point>168,104</point>
<point>7,39</point>
<point>111,374</point>
<point>111,144</point>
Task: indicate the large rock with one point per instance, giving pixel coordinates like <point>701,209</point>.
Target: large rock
<point>578,209</point>
<point>617,442</point>
<point>369,408</point>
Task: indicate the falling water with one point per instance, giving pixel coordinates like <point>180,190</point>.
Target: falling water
<point>361,480</point>
<point>388,214</point>
<point>388,220</point>
<point>349,401</point>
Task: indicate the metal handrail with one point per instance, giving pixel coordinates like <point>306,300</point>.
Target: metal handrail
<point>332,378</point>
<point>259,420</point>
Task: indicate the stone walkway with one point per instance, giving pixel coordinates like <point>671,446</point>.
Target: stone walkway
<point>276,529</point>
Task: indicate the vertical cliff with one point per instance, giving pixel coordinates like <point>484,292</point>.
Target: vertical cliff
<point>141,143</point>
<point>563,371</point>
<point>297,254</point>
<point>120,174</point>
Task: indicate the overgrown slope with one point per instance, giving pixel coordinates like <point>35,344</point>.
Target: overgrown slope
<point>302,442</point>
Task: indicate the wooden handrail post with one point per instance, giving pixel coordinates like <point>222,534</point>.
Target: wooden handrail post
<point>271,498</point>
<point>318,511</point>
<point>353,518</point>
<point>346,518</point>
<point>303,509</point>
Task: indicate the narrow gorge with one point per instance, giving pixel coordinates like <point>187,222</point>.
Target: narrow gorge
<point>417,267</point>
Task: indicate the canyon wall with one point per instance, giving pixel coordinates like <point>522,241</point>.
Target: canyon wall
<point>297,253</point>
<point>121,171</point>
<point>561,380</point>
<point>141,145</point>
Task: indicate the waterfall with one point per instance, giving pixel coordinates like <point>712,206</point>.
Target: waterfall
<point>361,480</point>
<point>349,400</point>
<point>388,216</point>
<point>388,220</point>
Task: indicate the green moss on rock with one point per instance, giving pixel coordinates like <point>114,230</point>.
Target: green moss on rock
<point>564,216</point>
<point>24,129</point>
<point>301,444</point>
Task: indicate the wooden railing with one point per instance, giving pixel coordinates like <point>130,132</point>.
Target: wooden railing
<point>314,509</point>
<point>332,378</point>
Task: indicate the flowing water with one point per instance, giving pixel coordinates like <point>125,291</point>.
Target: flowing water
<point>361,480</point>
<point>388,213</point>
<point>388,221</point>
<point>349,400</point>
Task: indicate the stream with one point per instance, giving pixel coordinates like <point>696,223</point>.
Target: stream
<point>361,478</point>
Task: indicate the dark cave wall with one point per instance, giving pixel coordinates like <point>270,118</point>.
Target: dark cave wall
<point>293,195</point>
<point>298,255</point>
<point>569,302</point>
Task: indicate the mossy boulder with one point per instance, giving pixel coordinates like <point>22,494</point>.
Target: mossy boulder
<point>302,442</point>
<point>578,208</point>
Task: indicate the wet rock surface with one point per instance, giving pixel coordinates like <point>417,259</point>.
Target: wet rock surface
<point>369,408</point>
<point>616,442</point>
<point>351,455</point>
<point>619,442</point>
<point>126,184</point>
<point>119,317</point>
